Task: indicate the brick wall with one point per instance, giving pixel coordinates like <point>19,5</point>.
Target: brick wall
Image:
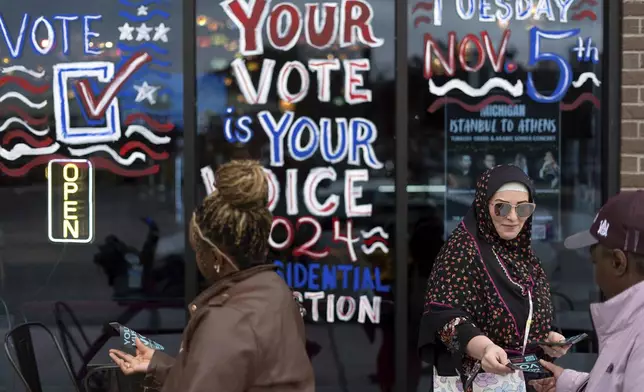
<point>632,162</point>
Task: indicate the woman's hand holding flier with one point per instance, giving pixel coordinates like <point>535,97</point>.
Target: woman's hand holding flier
<point>555,351</point>
<point>133,364</point>
<point>495,360</point>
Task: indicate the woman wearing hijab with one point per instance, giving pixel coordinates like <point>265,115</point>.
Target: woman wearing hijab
<point>488,296</point>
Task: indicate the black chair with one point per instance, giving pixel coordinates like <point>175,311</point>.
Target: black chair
<point>25,364</point>
<point>6,313</point>
<point>109,378</point>
<point>67,341</point>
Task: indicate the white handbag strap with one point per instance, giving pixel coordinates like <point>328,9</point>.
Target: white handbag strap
<point>527,324</point>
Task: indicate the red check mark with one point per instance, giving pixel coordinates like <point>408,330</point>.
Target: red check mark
<point>96,107</point>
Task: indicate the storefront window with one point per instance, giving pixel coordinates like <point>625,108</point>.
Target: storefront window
<point>512,83</point>
<point>306,89</point>
<point>97,82</point>
<point>91,157</point>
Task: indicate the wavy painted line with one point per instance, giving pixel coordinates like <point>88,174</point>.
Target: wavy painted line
<point>146,45</point>
<point>147,2</point>
<point>422,20</point>
<point>373,240</point>
<point>103,163</point>
<point>584,77</point>
<point>457,84</point>
<point>80,152</point>
<point>99,163</point>
<point>12,109</point>
<point>23,84</point>
<point>585,97</point>
<point>439,103</point>
<point>581,3</point>
<point>143,18</point>
<point>26,168</point>
<point>20,121</point>
<point>373,247</point>
<point>25,100</point>
<point>378,230</point>
<point>421,5</point>
<point>23,69</point>
<point>585,14</point>
<point>134,144</point>
<point>21,150</point>
<point>155,125</point>
<point>20,134</point>
<point>146,133</point>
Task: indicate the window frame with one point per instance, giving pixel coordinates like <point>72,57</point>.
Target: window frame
<point>610,146</point>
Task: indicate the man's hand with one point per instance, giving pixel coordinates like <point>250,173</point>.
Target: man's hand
<point>544,385</point>
<point>554,369</point>
<point>548,384</point>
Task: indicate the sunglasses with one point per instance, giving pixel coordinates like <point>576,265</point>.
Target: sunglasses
<point>523,210</point>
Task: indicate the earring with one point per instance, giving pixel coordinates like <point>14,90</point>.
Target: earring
<point>217,267</point>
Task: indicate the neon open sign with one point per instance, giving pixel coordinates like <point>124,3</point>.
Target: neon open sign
<point>70,196</point>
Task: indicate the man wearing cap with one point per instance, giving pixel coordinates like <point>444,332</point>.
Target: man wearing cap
<point>616,242</point>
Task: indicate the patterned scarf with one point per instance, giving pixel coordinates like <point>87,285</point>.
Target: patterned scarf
<point>480,279</point>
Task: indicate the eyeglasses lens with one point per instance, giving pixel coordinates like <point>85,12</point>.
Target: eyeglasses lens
<point>502,209</point>
<point>523,210</point>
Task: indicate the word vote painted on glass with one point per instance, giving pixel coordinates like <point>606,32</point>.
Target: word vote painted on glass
<point>320,26</point>
<point>108,122</point>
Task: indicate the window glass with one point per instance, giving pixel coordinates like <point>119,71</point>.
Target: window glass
<point>100,83</point>
<point>519,83</point>
<point>308,93</point>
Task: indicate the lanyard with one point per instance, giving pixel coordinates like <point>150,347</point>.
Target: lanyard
<point>527,324</point>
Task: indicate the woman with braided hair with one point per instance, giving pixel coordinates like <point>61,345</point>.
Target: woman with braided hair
<point>245,332</point>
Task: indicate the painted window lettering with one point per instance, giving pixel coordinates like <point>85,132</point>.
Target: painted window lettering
<point>353,180</point>
<point>45,45</point>
<point>353,81</point>
<point>292,138</point>
<point>485,50</point>
<point>352,23</point>
<point>107,122</point>
<point>537,55</point>
<point>471,52</point>
<point>312,281</point>
<point>504,10</point>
